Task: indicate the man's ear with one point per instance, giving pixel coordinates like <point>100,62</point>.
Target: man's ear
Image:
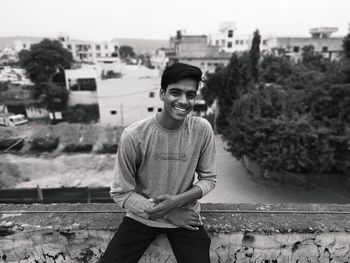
<point>161,94</point>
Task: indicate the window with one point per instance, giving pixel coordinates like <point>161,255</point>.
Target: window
<point>113,112</point>
<point>150,109</point>
<point>151,94</point>
<point>106,47</point>
<point>209,64</point>
<point>202,63</point>
<point>69,46</point>
<point>324,49</point>
<point>223,42</point>
<point>229,44</point>
<point>160,109</point>
<point>217,42</point>
<point>230,33</point>
<point>237,42</point>
<point>296,49</point>
<point>24,45</point>
<point>82,84</point>
<point>264,42</point>
<point>242,42</point>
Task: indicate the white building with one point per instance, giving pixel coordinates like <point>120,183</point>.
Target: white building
<point>131,98</point>
<point>88,51</point>
<point>321,39</point>
<point>121,101</point>
<point>229,41</point>
<point>82,85</point>
<point>82,50</point>
<point>14,76</point>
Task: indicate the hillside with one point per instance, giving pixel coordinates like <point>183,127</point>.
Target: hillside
<point>139,45</point>
<point>9,41</point>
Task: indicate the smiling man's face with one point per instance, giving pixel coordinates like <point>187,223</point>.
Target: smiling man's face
<point>179,99</point>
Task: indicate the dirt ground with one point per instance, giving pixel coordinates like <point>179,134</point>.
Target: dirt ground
<point>56,169</point>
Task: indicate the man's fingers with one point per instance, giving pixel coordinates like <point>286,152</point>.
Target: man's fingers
<point>193,228</point>
<point>159,198</point>
<point>195,223</point>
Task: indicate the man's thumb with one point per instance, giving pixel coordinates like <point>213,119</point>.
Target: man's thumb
<point>159,198</point>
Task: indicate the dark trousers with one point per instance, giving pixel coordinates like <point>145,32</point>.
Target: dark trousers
<point>132,239</point>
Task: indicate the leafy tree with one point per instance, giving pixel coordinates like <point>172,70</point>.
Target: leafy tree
<point>346,58</point>
<point>255,55</point>
<point>275,69</point>
<point>126,52</point>
<point>227,85</point>
<point>44,63</point>
<point>346,46</point>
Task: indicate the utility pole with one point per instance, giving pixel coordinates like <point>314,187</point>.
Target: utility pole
<point>121,115</point>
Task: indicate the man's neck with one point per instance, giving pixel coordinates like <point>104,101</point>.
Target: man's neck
<point>168,123</point>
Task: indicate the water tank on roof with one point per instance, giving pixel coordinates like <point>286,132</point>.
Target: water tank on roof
<point>322,32</point>
<point>224,26</point>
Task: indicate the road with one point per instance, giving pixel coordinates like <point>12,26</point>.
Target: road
<point>235,186</point>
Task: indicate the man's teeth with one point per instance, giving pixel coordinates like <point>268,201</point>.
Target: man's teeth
<point>180,109</point>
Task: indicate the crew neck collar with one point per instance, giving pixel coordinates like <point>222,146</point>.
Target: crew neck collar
<point>168,130</point>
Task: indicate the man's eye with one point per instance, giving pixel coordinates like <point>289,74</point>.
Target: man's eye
<point>191,96</point>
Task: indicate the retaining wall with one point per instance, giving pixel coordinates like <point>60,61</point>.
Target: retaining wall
<point>239,233</point>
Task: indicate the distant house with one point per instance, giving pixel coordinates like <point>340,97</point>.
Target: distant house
<point>321,40</point>
<point>82,85</point>
<point>131,98</point>
<point>82,50</point>
<point>195,50</point>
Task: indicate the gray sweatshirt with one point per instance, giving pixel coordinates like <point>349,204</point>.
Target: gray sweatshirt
<point>152,161</point>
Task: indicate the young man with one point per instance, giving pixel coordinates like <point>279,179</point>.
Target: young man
<point>154,175</point>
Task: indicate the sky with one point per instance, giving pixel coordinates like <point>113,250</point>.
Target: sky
<point>100,20</point>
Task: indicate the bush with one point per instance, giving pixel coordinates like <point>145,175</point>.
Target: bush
<point>109,148</point>
<point>71,148</point>
<point>282,131</point>
<point>82,113</point>
<point>11,144</point>
<point>44,144</point>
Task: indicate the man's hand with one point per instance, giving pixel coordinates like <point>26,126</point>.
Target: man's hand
<point>163,205</point>
<point>186,218</point>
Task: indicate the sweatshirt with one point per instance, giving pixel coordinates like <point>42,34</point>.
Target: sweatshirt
<point>153,161</point>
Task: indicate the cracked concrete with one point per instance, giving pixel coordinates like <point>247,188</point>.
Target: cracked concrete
<point>267,238</point>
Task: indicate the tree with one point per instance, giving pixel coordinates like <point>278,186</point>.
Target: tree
<point>346,58</point>
<point>346,46</point>
<point>255,55</point>
<point>227,85</point>
<point>44,63</point>
<point>126,52</point>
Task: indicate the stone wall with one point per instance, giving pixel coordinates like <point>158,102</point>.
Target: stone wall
<point>239,233</point>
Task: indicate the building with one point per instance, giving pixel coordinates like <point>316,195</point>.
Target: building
<point>131,98</point>
<point>88,51</point>
<point>159,59</point>
<point>82,85</point>
<point>82,50</point>
<point>14,76</point>
<point>122,100</point>
<point>320,39</point>
<point>229,41</point>
<point>195,50</point>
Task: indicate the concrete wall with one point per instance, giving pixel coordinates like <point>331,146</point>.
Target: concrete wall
<point>245,236</point>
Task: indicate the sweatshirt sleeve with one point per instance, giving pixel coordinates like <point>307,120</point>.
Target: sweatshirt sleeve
<point>123,186</point>
<point>206,167</point>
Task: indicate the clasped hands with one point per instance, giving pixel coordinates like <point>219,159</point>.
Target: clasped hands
<point>169,206</point>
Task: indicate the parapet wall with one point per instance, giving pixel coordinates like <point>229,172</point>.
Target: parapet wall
<point>239,233</point>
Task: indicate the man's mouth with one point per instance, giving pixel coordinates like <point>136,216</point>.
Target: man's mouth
<point>180,109</point>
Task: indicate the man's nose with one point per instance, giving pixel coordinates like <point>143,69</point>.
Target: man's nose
<point>183,98</point>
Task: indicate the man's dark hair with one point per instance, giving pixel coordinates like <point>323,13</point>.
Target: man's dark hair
<point>179,71</point>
